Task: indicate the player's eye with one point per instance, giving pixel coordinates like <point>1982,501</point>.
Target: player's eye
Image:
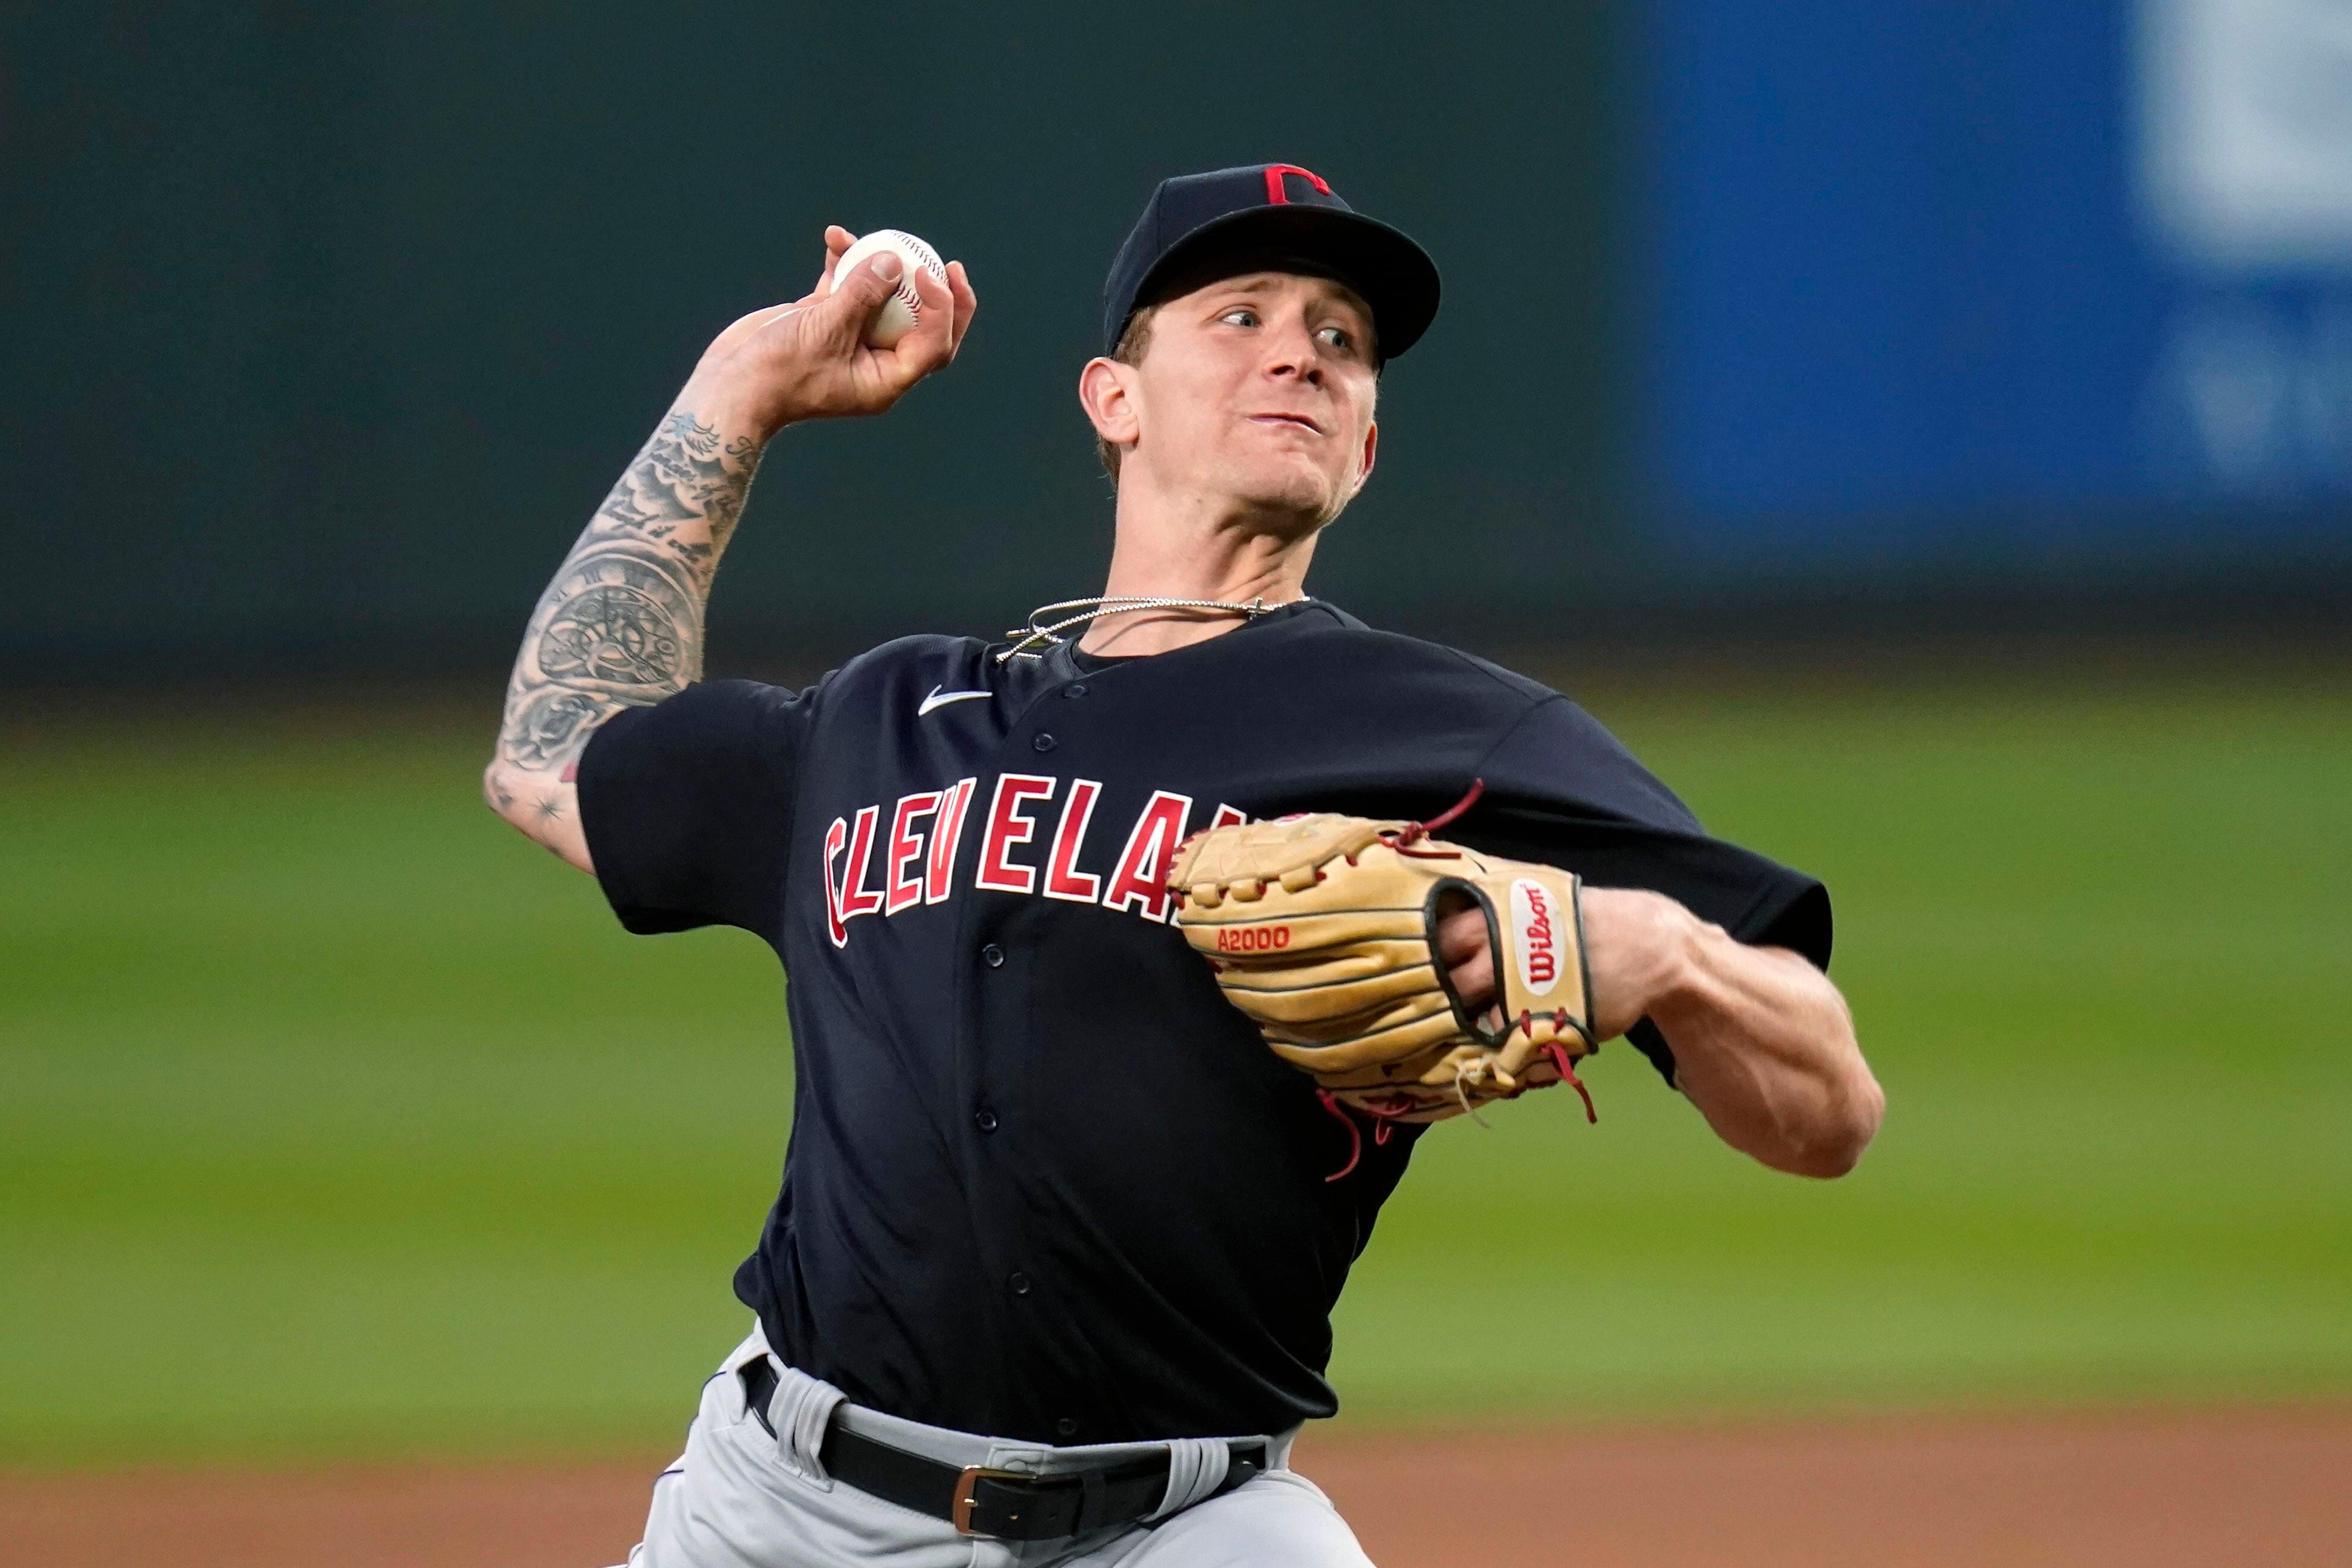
<point>1240,316</point>
<point>1340,338</point>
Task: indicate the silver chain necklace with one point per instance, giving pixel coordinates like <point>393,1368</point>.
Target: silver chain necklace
<point>1038,634</point>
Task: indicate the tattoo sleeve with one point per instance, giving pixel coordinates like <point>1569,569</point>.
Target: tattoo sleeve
<point>620,626</point>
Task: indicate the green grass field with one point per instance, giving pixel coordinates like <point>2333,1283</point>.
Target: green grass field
<point>336,1119</point>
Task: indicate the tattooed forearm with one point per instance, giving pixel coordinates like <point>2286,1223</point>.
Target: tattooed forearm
<point>616,617</point>
<point>620,626</point>
<point>688,475</point>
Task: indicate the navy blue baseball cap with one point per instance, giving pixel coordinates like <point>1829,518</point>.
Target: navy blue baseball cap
<point>1273,217</point>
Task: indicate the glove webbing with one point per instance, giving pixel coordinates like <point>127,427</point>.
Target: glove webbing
<point>1384,1124</point>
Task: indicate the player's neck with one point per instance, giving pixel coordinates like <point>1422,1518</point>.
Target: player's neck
<point>1192,553</point>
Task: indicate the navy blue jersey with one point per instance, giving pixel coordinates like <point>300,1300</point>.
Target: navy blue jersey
<point>1043,1181</point>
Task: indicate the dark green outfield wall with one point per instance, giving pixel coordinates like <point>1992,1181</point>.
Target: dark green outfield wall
<point>331,326</point>
<point>325,327</point>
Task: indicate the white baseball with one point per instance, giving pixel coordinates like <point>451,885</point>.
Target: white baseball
<point>900,311</point>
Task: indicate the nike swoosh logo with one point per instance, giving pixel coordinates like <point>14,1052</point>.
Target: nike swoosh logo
<point>938,698</point>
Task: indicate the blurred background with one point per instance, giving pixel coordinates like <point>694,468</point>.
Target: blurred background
<point>1924,433</point>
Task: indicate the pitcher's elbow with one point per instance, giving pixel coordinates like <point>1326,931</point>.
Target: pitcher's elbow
<point>498,791</point>
<point>1848,1130</point>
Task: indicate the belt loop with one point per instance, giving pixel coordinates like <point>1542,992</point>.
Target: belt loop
<point>1196,1468</point>
<point>799,1411</point>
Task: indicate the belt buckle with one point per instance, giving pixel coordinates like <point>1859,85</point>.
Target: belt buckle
<point>960,1513</point>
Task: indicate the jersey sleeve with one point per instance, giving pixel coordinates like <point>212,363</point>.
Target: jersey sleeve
<point>1562,790</point>
<point>687,805</point>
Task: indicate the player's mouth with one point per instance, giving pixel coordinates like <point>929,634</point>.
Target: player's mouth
<point>1298,420</point>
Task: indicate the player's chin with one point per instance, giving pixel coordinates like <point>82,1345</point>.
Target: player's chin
<point>1287,481</point>
<point>1311,499</point>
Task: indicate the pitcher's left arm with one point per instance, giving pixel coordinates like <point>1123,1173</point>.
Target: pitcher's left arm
<point>1764,1044</point>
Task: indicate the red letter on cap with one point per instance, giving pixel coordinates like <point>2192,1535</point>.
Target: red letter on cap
<point>1280,197</point>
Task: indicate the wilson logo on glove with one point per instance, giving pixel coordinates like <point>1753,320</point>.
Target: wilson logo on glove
<point>1533,922</point>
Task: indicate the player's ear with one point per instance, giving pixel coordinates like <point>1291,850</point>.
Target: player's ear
<point>1105,394</point>
<point>1371,451</point>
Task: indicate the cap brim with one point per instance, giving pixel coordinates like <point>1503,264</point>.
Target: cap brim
<point>1393,274</point>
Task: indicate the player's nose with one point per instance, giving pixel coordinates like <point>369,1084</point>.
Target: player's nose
<point>1293,355</point>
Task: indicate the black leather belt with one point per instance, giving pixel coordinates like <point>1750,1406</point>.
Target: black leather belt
<point>1007,1504</point>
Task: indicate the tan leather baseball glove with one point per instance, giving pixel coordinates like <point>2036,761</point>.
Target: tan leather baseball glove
<point>1323,928</point>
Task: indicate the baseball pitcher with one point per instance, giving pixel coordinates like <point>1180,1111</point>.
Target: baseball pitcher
<point>1129,956</point>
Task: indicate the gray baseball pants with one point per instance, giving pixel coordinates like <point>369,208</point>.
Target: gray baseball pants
<point>740,1498</point>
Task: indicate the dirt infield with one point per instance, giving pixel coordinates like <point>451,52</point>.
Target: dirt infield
<point>2269,1486</point>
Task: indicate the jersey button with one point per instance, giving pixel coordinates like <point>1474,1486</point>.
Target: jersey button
<point>1068,1426</point>
<point>984,1118</point>
<point>1077,689</point>
<point>993,956</point>
<point>1044,742</point>
<point>1019,1284</point>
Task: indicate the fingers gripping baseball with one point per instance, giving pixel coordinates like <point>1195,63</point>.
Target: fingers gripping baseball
<point>837,241</point>
<point>817,357</point>
<point>858,293</point>
<point>891,293</point>
<point>963,302</point>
